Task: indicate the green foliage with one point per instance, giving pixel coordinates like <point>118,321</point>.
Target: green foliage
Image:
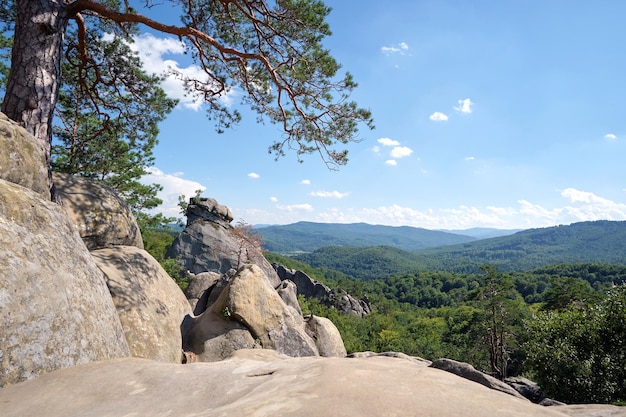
<point>157,241</point>
<point>577,354</point>
<point>523,251</point>
<point>108,120</point>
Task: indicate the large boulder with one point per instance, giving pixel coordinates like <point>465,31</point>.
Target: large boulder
<point>22,160</point>
<point>249,302</point>
<point>262,383</point>
<point>151,306</point>
<point>102,217</point>
<point>210,243</point>
<point>199,288</point>
<point>55,308</point>
<point>327,338</point>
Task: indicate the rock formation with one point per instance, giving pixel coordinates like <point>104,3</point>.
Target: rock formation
<point>102,217</point>
<point>311,288</point>
<point>22,159</point>
<point>55,308</point>
<point>209,242</point>
<point>263,383</point>
<point>150,304</point>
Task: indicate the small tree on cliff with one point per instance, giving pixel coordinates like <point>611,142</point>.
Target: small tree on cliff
<point>271,51</point>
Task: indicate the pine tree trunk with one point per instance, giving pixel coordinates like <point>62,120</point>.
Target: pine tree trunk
<point>34,79</point>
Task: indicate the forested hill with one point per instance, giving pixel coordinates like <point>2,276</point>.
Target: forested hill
<point>309,236</point>
<point>599,241</point>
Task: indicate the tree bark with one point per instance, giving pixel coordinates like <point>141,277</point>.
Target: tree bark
<point>35,75</point>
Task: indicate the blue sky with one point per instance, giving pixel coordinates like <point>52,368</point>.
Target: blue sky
<point>506,114</point>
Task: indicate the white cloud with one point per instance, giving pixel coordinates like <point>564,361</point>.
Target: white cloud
<point>388,142</point>
<point>173,186</point>
<point>391,162</point>
<point>305,182</point>
<point>329,194</point>
<point>577,206</point>
<point>465,106</point>
<point>469,158</point>
<point>273,199</point>
<point>152,52</point>
<point>296,207</point>
<point>401,152</point>
<point>254,175</point>
<point>399,49</point>
<point>438,117</point>
<point>610,136</point>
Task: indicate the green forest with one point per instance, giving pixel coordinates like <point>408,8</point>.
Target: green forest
<point>563,325</point>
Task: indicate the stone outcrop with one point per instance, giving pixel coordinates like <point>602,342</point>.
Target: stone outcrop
<point>199,288</point>
<point>55,308</point>
<point>210,243</point>
<point>102,217</point>
<point>467,371</point>
<point>311,288</point>
<point>327,338</point>
<point>247,301</point>
<point>150,305</point>
<point>22,158</point>
<point>262,383</point>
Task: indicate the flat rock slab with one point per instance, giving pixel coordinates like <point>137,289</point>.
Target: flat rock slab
<point>261,383</point>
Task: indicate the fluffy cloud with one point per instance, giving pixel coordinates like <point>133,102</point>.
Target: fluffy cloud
<point>329,194</point>
<point>438,117</point>
<point>254,175</point>
<point>296,207</point>
<point>391,162</point>
<point>388,142</point>
<point>173,185</point>
<point>610,136</point>
<point>273,199</point>
<point>305,182</point>
<point>152,52</point>
<point>465,106</point>
<point>400,49</point>
<point>401,152</point>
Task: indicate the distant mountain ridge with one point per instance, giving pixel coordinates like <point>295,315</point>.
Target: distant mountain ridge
<point>309,236</point>
<point>598,241</point>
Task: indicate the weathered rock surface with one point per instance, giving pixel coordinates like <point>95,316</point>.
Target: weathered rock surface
<point>248,301</point>
<point>209,242</point>
<point>55,308</point>
<point>22,160</point>
<point>288,292</point>
<point>150,305</point>
<point>327,338</point>
<point>526,387</point>
<point>200,286</point>
<point>467,371</point>
<point>262,383</point>
<point>311,288</point>
<point>102,217</point>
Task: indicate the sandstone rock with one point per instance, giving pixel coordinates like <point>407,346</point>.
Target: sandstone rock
<point>311,288</point>
<point>526,387</point>
<point>22,160</point>
<point>150,304</point>
<point>248,299</point>
<point>102,217</point>
<point>327,338</point>
<point>260,383</point>
<point>209,243</point>
<point>467,371</point>
<point>208,209</point>
<point>287,291</point>
<point>55,308</point>
<point>200,286</point>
